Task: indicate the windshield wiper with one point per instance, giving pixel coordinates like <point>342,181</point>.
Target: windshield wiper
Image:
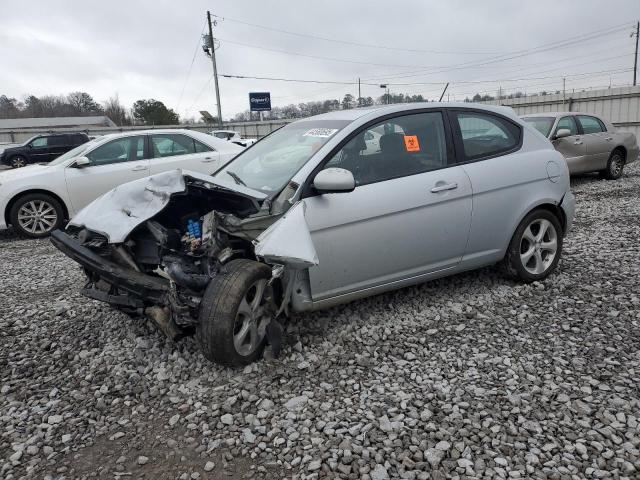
<point>236,178</point>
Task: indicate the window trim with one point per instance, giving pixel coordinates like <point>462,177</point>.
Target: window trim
<point>459,143</point>
<point>309,191</point>
<point>600,122</point>
<point>575,121</point>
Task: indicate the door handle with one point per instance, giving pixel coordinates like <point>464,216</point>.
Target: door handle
<point>442,188</point>
<point>208,160</point>
<point>139,168</point>
<point>578,142</point>
<point>608,139</point>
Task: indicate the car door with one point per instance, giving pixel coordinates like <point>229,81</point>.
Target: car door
<point>113,163</point>
<point>38,150</point>
<point>408,216</point>
<point>595,139</point>
<point>175,150</point>
<point>58,144</point>
<point>573,148</point>
<point>502,176</point>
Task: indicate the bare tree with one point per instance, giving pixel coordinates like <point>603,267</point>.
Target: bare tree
<point>116,112</point>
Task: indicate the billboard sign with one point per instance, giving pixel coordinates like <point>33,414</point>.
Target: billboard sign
<point>259,101</point>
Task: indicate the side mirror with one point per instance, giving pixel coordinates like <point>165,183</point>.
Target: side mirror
<point>563,132</point>
<point>29,145</point>
<point>334,180</point>
<point>82,162</point>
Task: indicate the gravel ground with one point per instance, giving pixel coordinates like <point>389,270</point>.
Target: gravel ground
<point>472,376</point>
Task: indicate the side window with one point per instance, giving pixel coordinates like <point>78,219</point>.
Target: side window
<point>397,147</point>
<point>58,141</point>
<point>569,123</point>
<point>590,124</point>
<point>169,145</point>
<point>485,135</point>
<point>40,142</point>
<point>77,139</point>
<point>201,147</point>
<point>120,150</point>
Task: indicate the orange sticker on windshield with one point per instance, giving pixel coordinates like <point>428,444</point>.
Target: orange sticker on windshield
<point>411,143</point>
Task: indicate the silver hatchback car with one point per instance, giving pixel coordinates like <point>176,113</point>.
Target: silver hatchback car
<point>588,143</point>
<point>317,214</point>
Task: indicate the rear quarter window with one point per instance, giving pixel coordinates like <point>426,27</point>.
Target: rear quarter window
<point>484,135</point>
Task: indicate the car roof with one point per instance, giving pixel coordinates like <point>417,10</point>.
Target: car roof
<point>557,114</point>
<point>379,110</point>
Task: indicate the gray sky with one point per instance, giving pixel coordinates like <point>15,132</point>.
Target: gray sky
<point>144,49</point>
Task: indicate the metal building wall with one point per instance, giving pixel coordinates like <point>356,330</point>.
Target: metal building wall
<point>620,105</point>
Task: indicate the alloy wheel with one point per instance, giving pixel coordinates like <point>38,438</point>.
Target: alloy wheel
<point>254,314</point>
<point>37,217</point>
<point>538,246</point>
<point>17,162</point>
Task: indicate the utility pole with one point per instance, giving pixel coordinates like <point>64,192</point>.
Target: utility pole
<point>635,58</point>
<point>564,84</point>
<point>359,94</point>
<point>215,68</point>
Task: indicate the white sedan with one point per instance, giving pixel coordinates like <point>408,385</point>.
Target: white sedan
<point>233,137</point>
<point>37,199</point>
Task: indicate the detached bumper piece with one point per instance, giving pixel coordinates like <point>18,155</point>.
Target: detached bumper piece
<point>134,289</point>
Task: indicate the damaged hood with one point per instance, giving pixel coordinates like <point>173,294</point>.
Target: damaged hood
<point>118,212</point>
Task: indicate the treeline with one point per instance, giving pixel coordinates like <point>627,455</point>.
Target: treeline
<point>308,109</point>
<point>81,104</point>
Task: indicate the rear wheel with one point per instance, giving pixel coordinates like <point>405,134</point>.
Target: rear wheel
<point>615,166</point>
<point>236,308</point>
<point>535,248</point>
<point>36,215</point>
<point>18,161</point>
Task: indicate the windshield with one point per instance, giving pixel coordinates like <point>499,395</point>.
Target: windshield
<point>76,152</point>
<point>269,164</point>
<point>542,124</point>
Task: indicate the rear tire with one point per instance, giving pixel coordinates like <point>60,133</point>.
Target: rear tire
<point>615,166</point>
<point>535,248</point>
<point>36,215</point>
<point>234,312</point>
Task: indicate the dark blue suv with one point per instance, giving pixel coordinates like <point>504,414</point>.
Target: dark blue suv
<point>42,148</point>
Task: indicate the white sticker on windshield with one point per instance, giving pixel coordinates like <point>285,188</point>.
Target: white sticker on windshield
<point>320,132</point>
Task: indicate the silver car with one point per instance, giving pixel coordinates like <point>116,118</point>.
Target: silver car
<point>588,143</point>
<point>316,215</point>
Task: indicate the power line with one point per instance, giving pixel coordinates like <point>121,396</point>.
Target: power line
<point>337,82</point>
<point>522,53</point>
<point>348,42</point>
<point>191,66</point>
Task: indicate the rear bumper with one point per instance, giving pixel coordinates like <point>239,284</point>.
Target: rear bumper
<point>135,289</point>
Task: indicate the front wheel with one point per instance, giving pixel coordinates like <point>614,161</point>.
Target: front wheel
<point>235,310</point>
<point>36,215</point>
<point>535,248</point>
<point>17,161</point>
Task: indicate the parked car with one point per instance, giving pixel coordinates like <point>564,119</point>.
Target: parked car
<point>41,149</point>
<point>589,143</point>
<point>233,137</point>
<point>308,218</point>
<point>38,198</point>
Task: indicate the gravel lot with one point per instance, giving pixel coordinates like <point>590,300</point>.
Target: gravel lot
<point>468,377</point>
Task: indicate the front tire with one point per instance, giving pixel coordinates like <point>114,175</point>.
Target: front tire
<point>18,161</point>
<point>235,310</point>
<point>36,215</point>
<point>535,248</point>
<point>615,166</point>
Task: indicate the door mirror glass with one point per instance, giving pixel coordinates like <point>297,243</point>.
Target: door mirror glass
<point>563,132</point>
<point>82,162</point>
<point>334,180</point>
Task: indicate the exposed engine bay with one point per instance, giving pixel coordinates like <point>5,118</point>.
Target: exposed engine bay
<point>177,244</point>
